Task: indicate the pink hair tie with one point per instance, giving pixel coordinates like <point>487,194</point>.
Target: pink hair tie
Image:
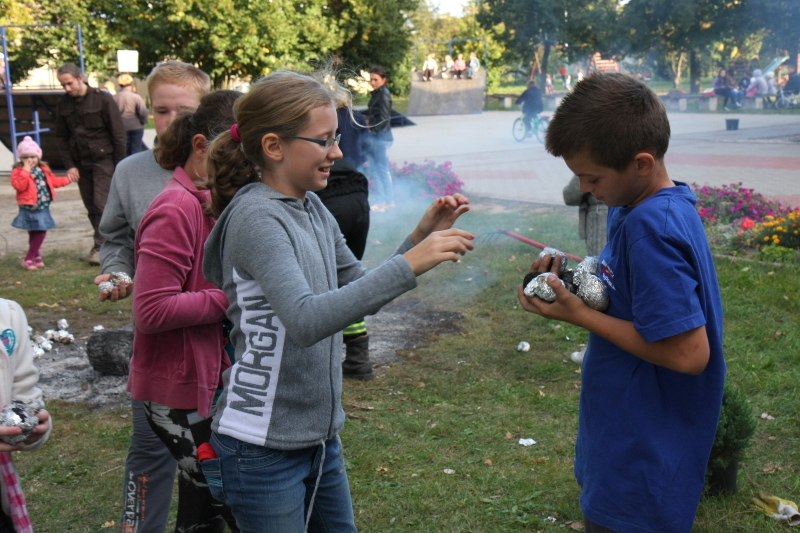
<point>235,133</point>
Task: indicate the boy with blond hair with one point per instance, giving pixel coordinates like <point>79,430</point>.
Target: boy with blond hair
<point>653,372</point>
<point>173,86</point>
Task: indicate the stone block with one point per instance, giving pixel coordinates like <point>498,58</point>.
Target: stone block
<point>110,351</point>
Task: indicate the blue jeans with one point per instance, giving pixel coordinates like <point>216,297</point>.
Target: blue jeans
<point>270,491</point>
<point>379,169</point>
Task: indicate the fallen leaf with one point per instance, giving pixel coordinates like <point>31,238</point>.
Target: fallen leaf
<point>380,426</point>
<point>42,304</point>
<point>512,258</point>
<point>420,385</point>
<point>772,469</point>
<point>509,435</point>
<point>541,459</point>
<point>108,524</point>
<point>766,416</point>
<point>577,526</point>
<point>381,469</point>
<point>772,437</point>
<point>449,471</point>
<point>541,393</point>
<point>488,462</point>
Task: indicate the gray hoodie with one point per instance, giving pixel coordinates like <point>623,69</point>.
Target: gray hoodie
<point>292,286</point>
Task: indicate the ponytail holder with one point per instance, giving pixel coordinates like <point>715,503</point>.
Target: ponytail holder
<point>235,133</point>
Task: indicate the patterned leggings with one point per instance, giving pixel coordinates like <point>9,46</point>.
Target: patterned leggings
<point>182,430</point>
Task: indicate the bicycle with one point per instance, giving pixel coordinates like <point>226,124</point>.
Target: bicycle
<point>521,131</point>
<point>785,100</point>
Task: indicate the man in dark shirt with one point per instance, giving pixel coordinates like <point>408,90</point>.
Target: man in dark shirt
<point>793,83</point>
<point>531,101</point>
<point>92,138</point>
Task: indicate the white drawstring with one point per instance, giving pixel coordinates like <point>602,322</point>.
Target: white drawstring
<point>316,487</point>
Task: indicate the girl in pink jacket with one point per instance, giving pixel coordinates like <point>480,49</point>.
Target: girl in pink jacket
<point>178,346</point>
<point>35,185</point>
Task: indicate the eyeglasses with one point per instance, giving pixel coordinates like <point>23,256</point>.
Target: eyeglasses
<point>325,143</point>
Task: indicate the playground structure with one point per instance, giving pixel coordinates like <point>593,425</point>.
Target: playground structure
<point>448,96</point>
<point>31,110</point>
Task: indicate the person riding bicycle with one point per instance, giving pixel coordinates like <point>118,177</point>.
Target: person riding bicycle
<point>532,104</point>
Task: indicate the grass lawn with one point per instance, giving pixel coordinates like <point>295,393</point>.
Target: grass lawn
<point>432,445</point>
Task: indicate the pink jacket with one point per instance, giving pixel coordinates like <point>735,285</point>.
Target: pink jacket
<point>23,182</point>
<point>178,354</point>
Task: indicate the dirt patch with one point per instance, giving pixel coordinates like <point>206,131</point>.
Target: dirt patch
<point>72,231</point>
<point>65,372</point>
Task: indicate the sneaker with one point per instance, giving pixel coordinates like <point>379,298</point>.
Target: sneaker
<point>38,262</point>
<point>93,257</point>
<point>725,108</point>
<point>378,208</point>
<point>27,264</point>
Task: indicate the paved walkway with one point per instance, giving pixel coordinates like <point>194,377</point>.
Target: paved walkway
<point>489,161</point>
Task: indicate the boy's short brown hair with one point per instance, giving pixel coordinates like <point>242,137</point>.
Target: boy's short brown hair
<point>612,117</point>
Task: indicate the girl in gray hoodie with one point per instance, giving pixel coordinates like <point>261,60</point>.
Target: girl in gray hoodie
<point>293,285</point>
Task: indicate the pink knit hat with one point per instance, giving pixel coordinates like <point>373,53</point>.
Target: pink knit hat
<point>29,146</point>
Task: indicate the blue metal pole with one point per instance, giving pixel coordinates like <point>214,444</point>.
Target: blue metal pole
<point>80,48</point>
<point>12,127</point>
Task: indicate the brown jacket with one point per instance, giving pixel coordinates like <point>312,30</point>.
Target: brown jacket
<point>132,108</point>
<point>89,129</point>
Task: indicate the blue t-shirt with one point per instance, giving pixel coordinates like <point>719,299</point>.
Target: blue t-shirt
<point>645,432</point>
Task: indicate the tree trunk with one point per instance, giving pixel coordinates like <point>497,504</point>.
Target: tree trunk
<point>676,71</point>
<point>694,71</point>
<point>545,59</point>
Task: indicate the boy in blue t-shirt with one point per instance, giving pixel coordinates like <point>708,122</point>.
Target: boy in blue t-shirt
<point>654,369</point>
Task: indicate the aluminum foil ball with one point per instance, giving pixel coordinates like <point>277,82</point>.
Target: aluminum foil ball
<point>63,336</point>
<point>105,286</point>
<point>538,287</point>
<point>589,265</point>
<point>46,345</point>
<point>38,351</point>
<point>63,324</point>
<point>98,327</point>
<point>118,277</point>
<point>21,415</point>
<point>50,334</point>
<point>593,292</point>
<point>114,279</point>
<point>523,347</point>
<point>552,252</point>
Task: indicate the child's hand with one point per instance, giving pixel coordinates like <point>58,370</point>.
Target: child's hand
<point>567,307</point>
<point>440,215</point>
<point>117,293</point>
<point>42,428</point>
<point>29,164</point>
<point>36,434</point>
<point>439,246</point>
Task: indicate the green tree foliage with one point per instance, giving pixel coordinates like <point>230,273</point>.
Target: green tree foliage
<point>33,47</point>
<point>684,30</point>
<point>376,32</point>
<point>580,27</point>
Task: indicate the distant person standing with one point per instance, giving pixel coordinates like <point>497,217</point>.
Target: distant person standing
<point>379,117</point>
<point>460,66</point>
<point>89,128</point>
<point>473,66</point>
<point>134,114</point>
<point>563,73</point>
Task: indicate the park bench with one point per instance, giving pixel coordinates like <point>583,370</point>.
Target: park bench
<point>705,102</point>
<point>550,101</point>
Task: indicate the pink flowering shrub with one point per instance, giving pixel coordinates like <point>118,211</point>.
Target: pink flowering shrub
<point>733,204</point>
<point>425,180</point>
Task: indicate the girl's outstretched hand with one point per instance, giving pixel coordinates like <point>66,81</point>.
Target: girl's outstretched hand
<point>439,246</point>
<point>440,215</point>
